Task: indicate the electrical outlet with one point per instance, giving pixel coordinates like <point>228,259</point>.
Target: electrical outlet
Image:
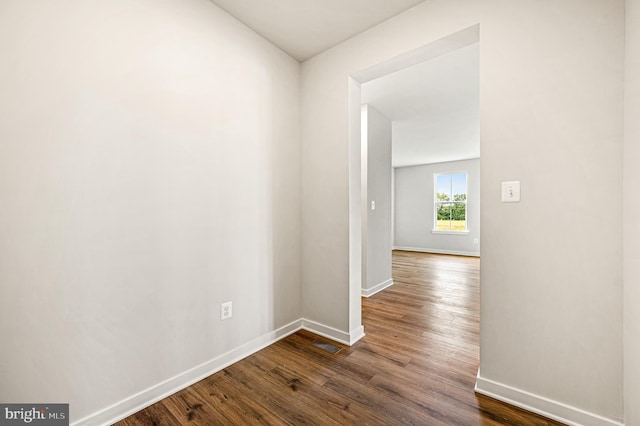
<point>226,310</point>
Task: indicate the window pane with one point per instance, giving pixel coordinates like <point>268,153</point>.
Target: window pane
<point>443,222</point>
<point>444,211</point>
<point>459,186</point>
<point>443,185</point>
<point>459,217</point>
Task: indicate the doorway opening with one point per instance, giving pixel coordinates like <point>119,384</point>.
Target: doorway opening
<point>378,117</point>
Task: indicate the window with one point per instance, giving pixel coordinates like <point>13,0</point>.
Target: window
<point>450,202</point>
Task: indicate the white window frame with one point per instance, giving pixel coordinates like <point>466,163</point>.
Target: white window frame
<point>435,229</point>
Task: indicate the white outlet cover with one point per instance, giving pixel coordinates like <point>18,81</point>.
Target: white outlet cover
<point>511,192</point>
<point>226,310</point>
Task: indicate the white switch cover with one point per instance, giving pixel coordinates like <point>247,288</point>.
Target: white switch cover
<point>511,192</point>
<point>373,205</point>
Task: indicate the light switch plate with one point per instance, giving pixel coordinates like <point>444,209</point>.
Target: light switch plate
<point>511,192</point>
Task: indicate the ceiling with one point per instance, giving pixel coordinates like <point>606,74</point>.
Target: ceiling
<point>304,28</point>
<point>434,107</point>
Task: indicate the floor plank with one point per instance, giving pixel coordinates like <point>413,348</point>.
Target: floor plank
<point>416,365</point>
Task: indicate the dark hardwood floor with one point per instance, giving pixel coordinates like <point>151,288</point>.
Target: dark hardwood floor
<point>416,365</point>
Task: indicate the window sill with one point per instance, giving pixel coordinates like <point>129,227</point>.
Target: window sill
<point>435,231</point>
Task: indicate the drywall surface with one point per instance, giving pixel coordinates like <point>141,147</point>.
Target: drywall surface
<point>551,97</point>
<point>378,170</point>
<point>631,209</point>
<point>149,171</point>
<point>414,209</point>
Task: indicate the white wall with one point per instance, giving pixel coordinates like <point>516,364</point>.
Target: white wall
<point>414,210</point>
<point>551,116</point>
<point>378,190</point>
<point>149,170</point>
<point>631,209</point>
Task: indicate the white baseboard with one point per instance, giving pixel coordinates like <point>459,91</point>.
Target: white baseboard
<point>333,333</point>
<point>149,396</point>
<point>356,335</point>
<point>367,292</point>
<point>555,410</point>
<point>438,251</point>
<point>145,398</point>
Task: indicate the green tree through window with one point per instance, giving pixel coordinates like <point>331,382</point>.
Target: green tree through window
<point>450,202</point>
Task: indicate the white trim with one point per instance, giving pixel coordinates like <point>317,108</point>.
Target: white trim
<point>430,50</point>
<point>333,333</point>
<point>367,292</point>
<point>463,233</point>
<point>437,162</point>
<point>355,335</point>
<point>438,251</point>
<point>145,398</point>
<point>546,407</point>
